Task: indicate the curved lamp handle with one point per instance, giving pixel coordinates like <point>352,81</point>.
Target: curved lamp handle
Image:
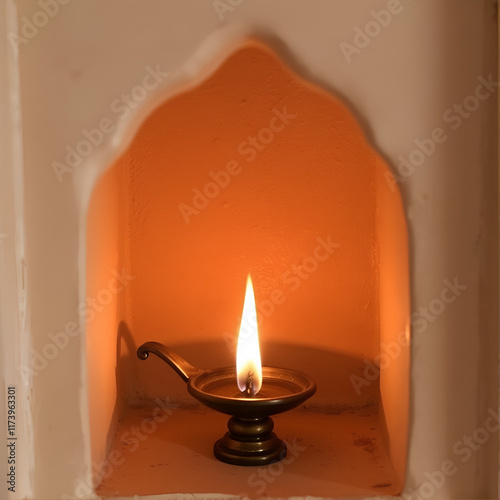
<point>178,363</point>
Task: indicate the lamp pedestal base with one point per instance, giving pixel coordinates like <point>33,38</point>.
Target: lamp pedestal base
<point>250,441</point>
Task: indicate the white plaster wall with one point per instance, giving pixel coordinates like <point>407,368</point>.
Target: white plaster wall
<point>427,58</point>
<point>15,341</point>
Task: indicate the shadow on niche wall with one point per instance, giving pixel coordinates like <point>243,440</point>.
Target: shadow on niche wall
<point>333,372</point>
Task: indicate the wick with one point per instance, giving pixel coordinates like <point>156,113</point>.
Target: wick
<point>249,384</point>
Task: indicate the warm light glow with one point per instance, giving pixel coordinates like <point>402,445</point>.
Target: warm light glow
<point>248,364</point>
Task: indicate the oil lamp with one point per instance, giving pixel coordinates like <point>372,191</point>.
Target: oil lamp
<point>250,393</point>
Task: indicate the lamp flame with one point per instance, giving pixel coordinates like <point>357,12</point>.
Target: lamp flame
<point>248,363</point>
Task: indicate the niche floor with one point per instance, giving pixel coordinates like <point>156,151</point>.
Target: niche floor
<point>331,454</point>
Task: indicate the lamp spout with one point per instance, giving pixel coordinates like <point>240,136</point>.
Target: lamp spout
<point>178,363</point>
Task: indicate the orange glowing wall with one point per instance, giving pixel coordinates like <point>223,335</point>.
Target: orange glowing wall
<point>105,294</point>
<point>288,194</point>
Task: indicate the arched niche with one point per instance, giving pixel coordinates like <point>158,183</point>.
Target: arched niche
<point>256,171</point>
